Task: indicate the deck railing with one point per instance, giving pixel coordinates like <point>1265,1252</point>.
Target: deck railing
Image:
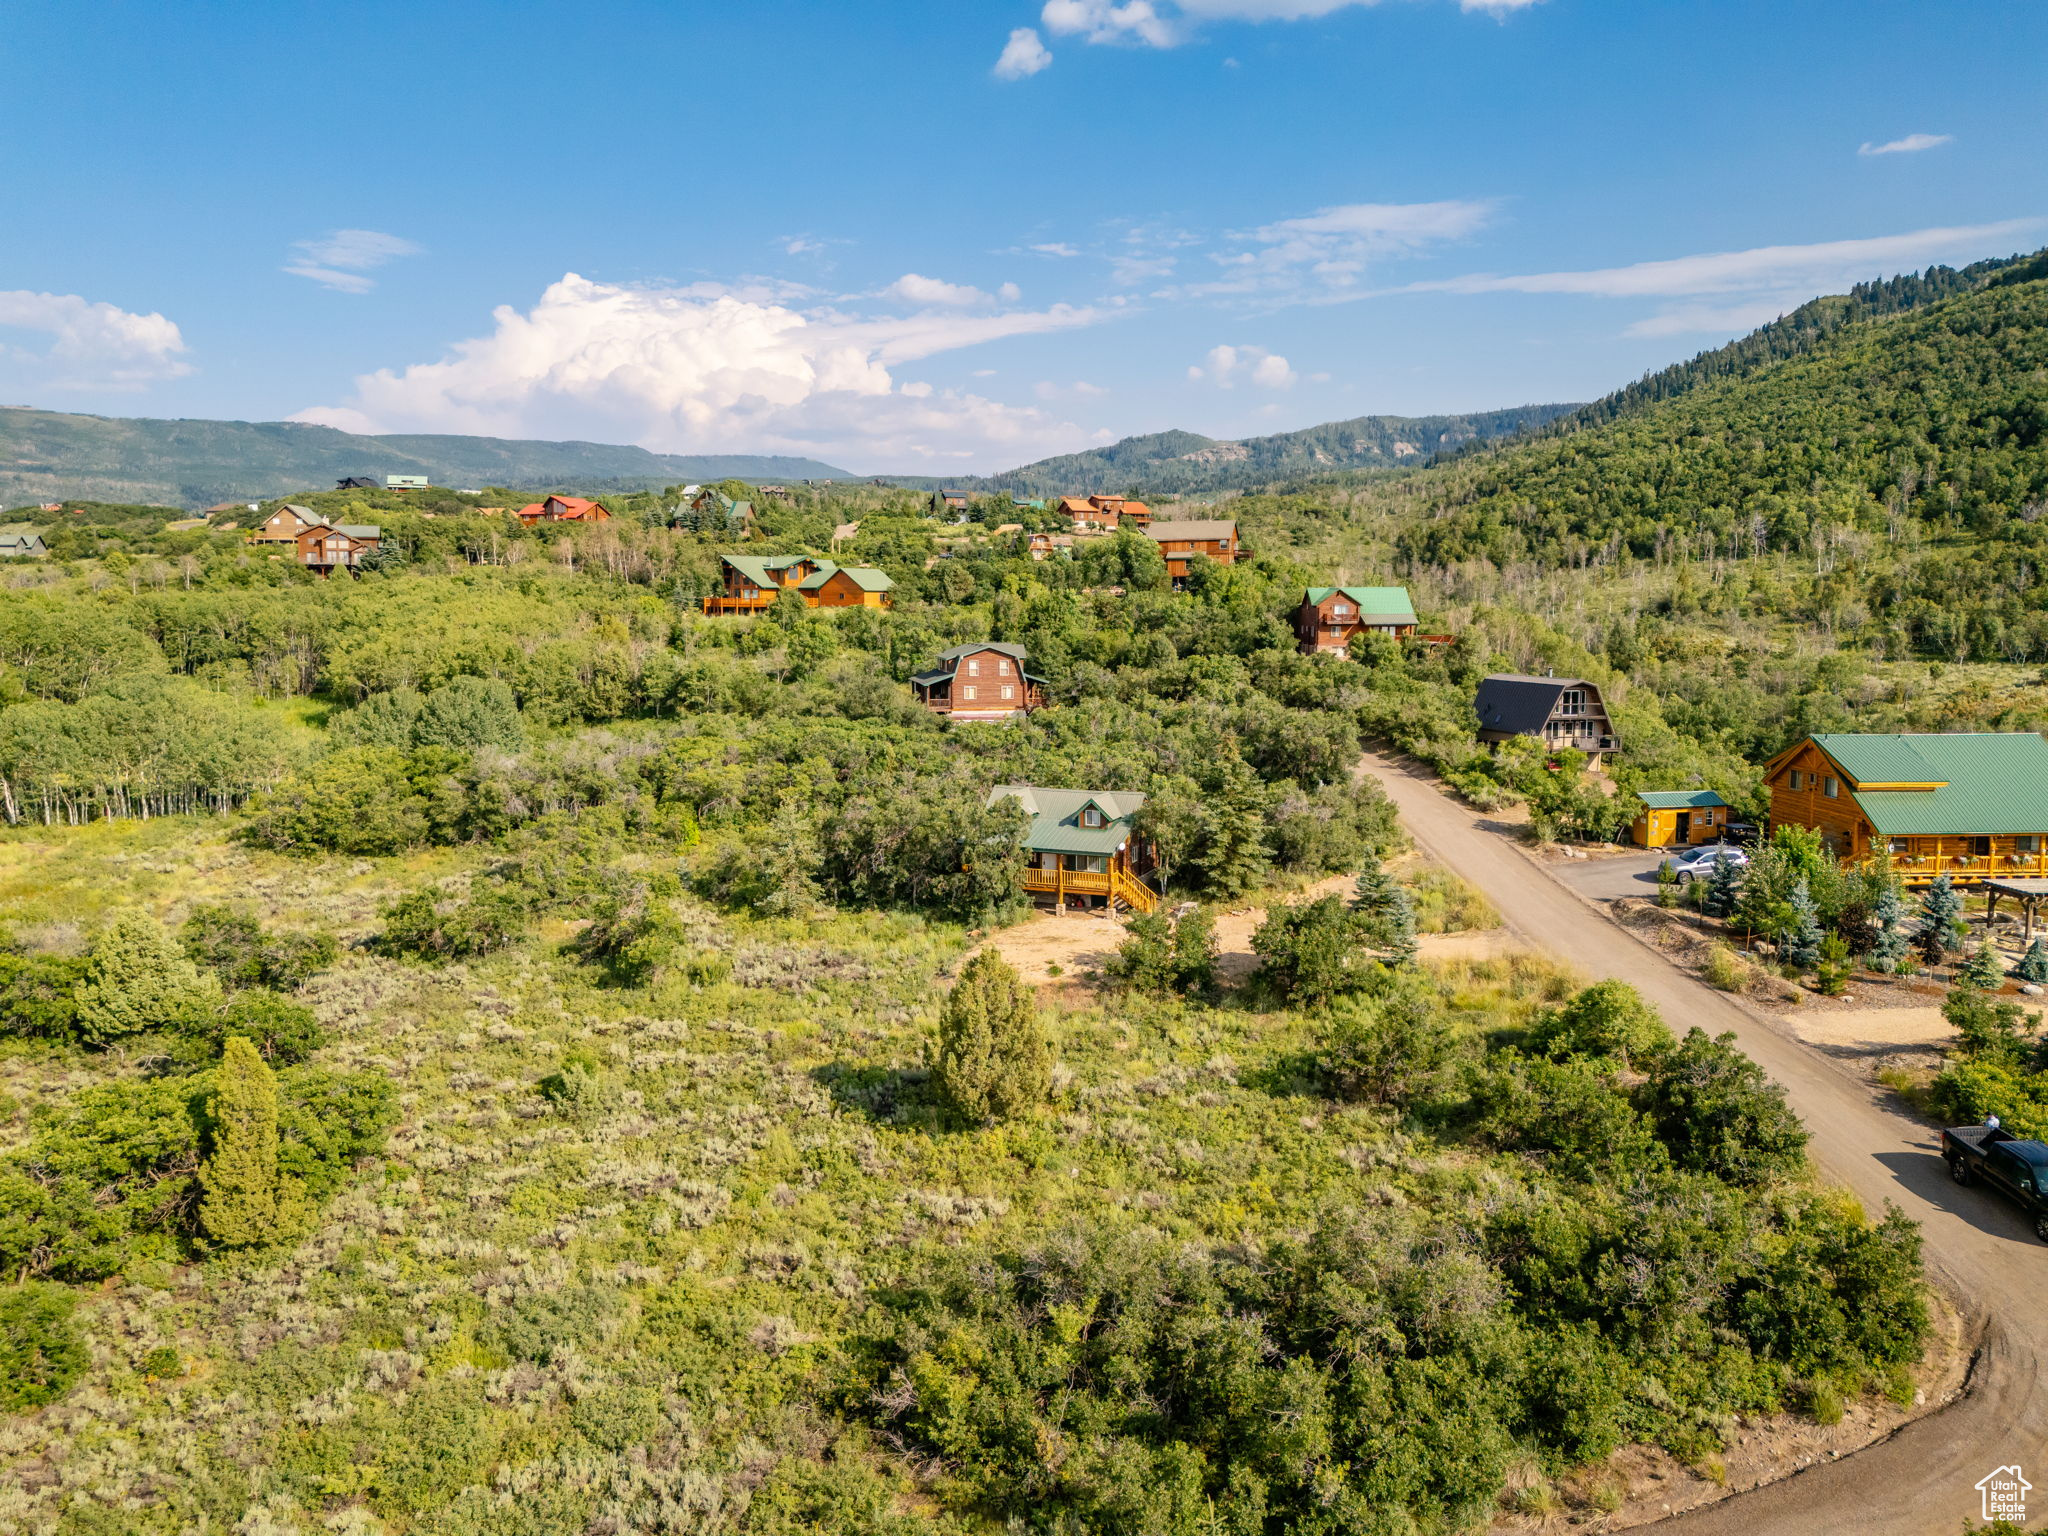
<point>1917,868</point>
<point>720,602</point>
<point>1063,883</point>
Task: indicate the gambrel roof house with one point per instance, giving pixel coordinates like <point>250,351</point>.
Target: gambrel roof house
<point>359,483</point>
<point>1559,711</point>
<point>19,541</point>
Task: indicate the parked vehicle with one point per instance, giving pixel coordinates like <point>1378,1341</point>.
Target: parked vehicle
<point>2016,1168</point>
<point>1743,834</point>
<point>1692,864</point>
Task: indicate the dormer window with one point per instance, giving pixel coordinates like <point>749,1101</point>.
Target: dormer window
<point>1091,816</point>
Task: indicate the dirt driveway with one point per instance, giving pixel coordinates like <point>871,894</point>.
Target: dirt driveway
<point>1923,1478</point>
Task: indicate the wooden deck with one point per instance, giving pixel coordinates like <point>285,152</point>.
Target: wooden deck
<point>1063,883</point>
<point>720,603</point>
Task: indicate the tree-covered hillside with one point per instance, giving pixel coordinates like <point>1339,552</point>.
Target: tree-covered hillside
<point>1902,459</point>
<point>1184,463</point>
<point>52,456</point>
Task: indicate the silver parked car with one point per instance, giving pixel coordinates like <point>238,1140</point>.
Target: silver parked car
<point>1698,863</point>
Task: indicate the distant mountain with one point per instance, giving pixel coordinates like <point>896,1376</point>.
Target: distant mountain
<point>1178,463</point>
<point>52,456</point>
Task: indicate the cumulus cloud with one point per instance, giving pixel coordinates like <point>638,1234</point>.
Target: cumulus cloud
<point>699,370</point>
<point>341,260</point>
<point>1104,21</point>
<point>1224,366</point>
<point>1023,55</point>
<point>932,292</point>
<point>93,345</point>
<point>1911,144</point>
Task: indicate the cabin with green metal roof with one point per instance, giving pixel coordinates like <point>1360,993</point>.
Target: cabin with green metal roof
<point>1329,616</point>
<point>1082,847</point>
<point>1686,817</point>
<point>1969,805</point>
<point>754,582</point>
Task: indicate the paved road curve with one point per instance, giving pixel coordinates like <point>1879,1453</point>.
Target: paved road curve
<point>1922,1481</point>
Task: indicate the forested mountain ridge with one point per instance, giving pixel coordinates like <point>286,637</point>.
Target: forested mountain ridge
<point>56,456</point>
<point>1182,463</point>
<point>1905,455</point>
<point>1804,328</point>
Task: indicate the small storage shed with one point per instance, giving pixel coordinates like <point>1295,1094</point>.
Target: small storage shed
<point>1682,817</point>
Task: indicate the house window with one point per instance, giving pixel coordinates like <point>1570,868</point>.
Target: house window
<point>1002,669</point>
<point>1981,847</point>
<point>1339,610</point>
<point>2027,842</point>
<point>1898,847</point>
<point>1091,817</point>
<point>967,693</point>
<point>1572,702</point>
<point>1793,779</point>
<point>1831,786</point>
<point>1009,692</point>
<point>974,669</point>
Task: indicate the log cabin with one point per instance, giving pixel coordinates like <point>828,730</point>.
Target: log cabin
<point>1685,817</point>
<point>1329,616</point>
<point>1084,515</point>
<point>1117,511</point>
<point>564,509</point>
<point>1560,712</point>
<point>1082,848</point>
<point>754,582</point>
<point>316,544</point>
<point>1972,805</point>
<point>1180,542</point>
<point>985,680</point>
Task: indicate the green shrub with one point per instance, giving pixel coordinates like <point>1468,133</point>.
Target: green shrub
<point>234,946</point>
<point>994,1062</point>
<point>1391,1049</point>
<point>1608,1018</point>
<point>42,1353</point>
<point>283,1032</point>
<point>39,995</point>
<point>139,979</point>
<point>428,925</point>
<point>1717,1112</point>
<point>245,1202</point>
<point>1725,969</point>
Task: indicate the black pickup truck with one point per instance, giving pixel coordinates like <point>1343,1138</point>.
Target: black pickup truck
<point>2017,1169</point>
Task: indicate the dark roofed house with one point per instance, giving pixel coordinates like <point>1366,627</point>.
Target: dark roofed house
<point>1560,712</point>
<point>984,680</point>
<point>20,541</point>
<point>1082,847</point>
<point>359,483</point>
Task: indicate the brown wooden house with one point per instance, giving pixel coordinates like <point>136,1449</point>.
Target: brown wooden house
<point>754,582</point>
<point>1560,712</point>
<point>313,543</point>
<point>564,509</point>
<point>1970,805</point>
<point>1329,616</point>
<point>1082,848</point>
<point>985,680</point>
<point>1180,542</point>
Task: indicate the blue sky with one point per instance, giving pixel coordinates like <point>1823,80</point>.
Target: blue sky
<point>936,236</point>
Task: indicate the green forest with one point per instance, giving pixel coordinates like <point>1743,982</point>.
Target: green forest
<point>485,1047</point>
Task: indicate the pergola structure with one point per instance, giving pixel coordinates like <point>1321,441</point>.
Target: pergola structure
<point>2028,893</point>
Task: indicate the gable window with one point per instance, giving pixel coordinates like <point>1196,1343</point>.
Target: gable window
<point>1831,786</point>
<point>974,668</point>
<point>1793,779</point>
<point>1572,702</point>
<point>1002,668</point>
<point>1091,816</point>
<point>1339,610</point>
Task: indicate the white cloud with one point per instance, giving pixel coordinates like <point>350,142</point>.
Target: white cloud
<point>1080,389</point>
<point>1022,56</point>
<point>1911,144</point>
<point>1103,21</point>
<point>340,260</point>
<point>1690,319</point>
<point>1327,252</point>
<point>1169,23</point>
<point>698,370</point>
<point>799,245</point>
<point>1054,248</point>
<point>1223,366</point>
<point>93,345</point>
<point>933,293</point>
<point>1774,267</point>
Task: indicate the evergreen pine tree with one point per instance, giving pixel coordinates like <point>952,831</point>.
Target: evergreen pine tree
<point>1982,969</point>
<point>1801,944</point>
<point>140,979</point>
<point>994,1060</point>
<point>1724,889</point>
<point>1389,915</point>
<point>240,1206</point>
<point>1941,910</point>
<point>2033,964</point>
<point>1885,915</point>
